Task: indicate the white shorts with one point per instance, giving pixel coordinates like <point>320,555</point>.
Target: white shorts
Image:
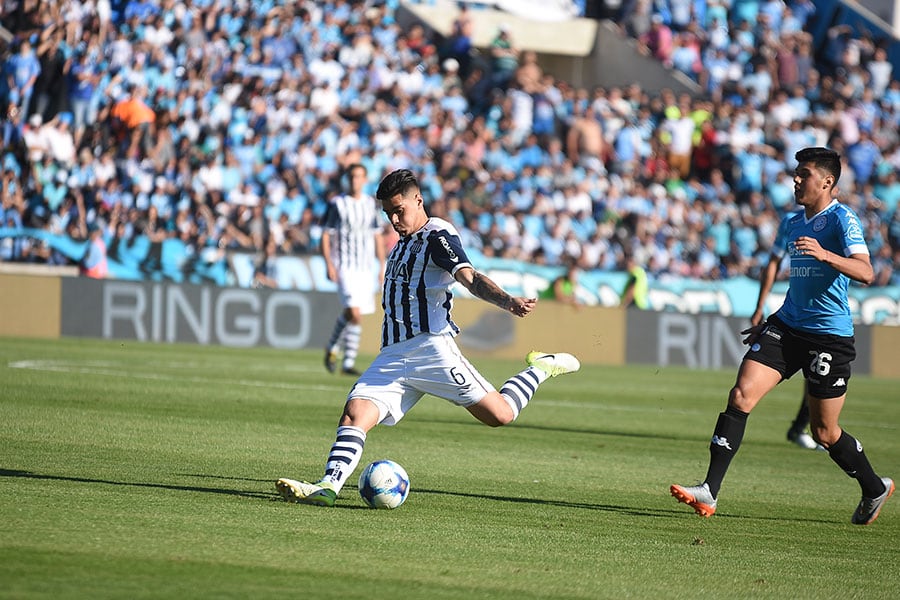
<point>427,364</point>
<point>357,288</point>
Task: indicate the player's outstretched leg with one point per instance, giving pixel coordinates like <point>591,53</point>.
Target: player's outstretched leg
<point>518,390</point>
<point>868,508</point>
<point>331,358</point>
<point>343,459</point>
<point>553,364</point>
<point>334,343</point>
<point>320,494</point>
<point>351,340</point>
<point>697,497</point>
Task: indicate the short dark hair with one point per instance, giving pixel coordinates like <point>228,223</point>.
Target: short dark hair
<point>821,158</point>
<point>396,182</point>
<point>357,165</point>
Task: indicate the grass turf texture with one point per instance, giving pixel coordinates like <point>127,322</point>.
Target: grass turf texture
<point>141,471</point>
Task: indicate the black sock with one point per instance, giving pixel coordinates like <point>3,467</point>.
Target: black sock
<point>724,445</point>
<point>848,453</point>
<point>802,420</point>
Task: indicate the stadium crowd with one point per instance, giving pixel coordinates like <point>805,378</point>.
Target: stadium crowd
<point>227,124</point>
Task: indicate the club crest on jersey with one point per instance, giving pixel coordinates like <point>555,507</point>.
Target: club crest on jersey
<point>819,223</point>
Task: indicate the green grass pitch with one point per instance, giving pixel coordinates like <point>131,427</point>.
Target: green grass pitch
<point>146,471</point>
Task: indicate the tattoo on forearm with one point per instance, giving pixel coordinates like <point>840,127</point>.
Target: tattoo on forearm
<point>487,290</point>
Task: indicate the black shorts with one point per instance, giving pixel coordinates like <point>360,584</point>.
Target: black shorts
<point>824,359</point>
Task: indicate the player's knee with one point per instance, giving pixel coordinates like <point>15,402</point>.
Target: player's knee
<point>739,399</point>
<point>825,435</point>
<point>504,419</point>
<point>360,413</point>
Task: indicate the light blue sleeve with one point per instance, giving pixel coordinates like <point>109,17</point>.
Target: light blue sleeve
<point>853,239</point>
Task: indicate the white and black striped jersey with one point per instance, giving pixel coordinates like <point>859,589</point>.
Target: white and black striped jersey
<point>353,224</point>
<point>419,273</point>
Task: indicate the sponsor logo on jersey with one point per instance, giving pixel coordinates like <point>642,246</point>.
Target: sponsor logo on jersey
<point>450,253</point>
<point>792,249</point>
<point>805,272</point>
<point>396,269</point>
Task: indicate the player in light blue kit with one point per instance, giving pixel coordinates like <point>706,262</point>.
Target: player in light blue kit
<point>418,353</point>
<point>812,332</point>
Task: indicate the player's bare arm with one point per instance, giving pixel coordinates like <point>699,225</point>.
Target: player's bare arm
<point>856,266</point>
<point>330,268</point>
<point>766,281</point>
<point>481,286</point>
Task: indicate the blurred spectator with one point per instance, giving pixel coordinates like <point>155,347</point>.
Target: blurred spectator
<point>94,264</point>
<point>504,57</point>
<point>564,288</point>
<point>658,41</point>
<point>50,88</point>
<point>21,71</point>
<point>636,288</point>
<point>131,119</point>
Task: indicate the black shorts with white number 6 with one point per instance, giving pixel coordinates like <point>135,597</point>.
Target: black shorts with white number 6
<point>824,359</point>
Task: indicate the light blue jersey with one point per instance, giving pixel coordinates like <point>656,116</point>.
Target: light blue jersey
<point>817,297</point>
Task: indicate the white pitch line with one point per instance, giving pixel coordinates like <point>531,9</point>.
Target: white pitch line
<point>108,369</point>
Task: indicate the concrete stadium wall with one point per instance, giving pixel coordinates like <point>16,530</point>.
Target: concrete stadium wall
<point>30,306</point>
<point>50,307</point>
<point>487,331</point>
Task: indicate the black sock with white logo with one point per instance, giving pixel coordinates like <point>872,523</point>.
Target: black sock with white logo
<point>724,445</point>
<point>848,453</point>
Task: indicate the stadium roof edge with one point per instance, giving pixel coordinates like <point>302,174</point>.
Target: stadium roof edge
<point>571,37</point>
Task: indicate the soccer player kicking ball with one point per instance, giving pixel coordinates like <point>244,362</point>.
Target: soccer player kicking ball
<point>812,332</point>
<point>418,353</point>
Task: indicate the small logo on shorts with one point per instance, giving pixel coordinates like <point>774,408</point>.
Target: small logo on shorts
<point>839,383</point>
<point>754,348</point>
<point>772,333</point>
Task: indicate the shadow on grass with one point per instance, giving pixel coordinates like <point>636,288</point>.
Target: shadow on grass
<point>253,494</point>
<point>258,495</point>
<point>635,511</point>
<point>160,486</point>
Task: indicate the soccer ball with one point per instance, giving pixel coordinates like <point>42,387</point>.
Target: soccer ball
<point>384,484</point>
